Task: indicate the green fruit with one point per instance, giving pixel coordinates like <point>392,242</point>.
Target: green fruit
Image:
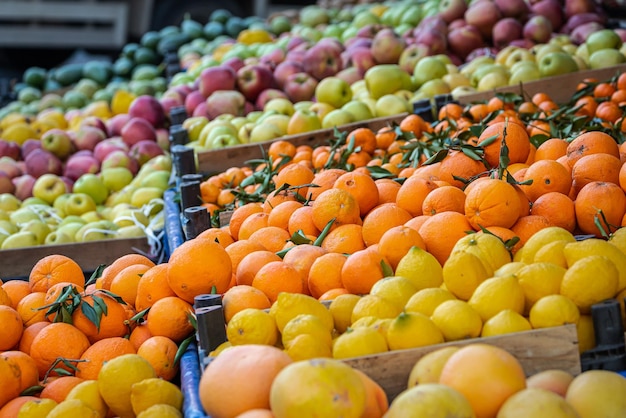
<point>221,16</point>
<point>213,29</point>
<point>74,99</point>
<point>145,72</point>
<point>87,86</point>
<point>35,76</point>
<point>123,66</point>
<point>28,94</point>
<point>169,30</point>
<point>145,55</point>
<point>102,95</point>
<point>191,28</point>
<point>129,50</point>
<point>150,39</point>
<point>51,85</point>
<point>172,42</point>
<point>235,25</point>
<point>68,74</point>
<point>141,87</point>
<point>98,71</point>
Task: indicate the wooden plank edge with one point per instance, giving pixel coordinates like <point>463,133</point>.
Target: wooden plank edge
<point>537,350</point>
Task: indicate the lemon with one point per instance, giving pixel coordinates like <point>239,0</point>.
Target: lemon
<point>395,289</point>
<point>539,280</point>
<point>457,320</point>
<point>410,330</point>
<point>543,237</point>
<point>497,294</point>
<point>372,305</point>
<point>223,346</point>
<point>19,133</point>
<point>306,346</point>
<point>428,368</point>
<point>618,238</point>
<point>595,246</point>
<point>421,267</point>
<point>12,118</point>
<point>462,273</point>
<point>155,391</point>
<point>505,322</point>
<point>252,326</point>
<point>359,342</point>
<point>121,101</point>
<point>426,300</point>
<point>509,268</point>
<point>590,280</point>
<point>89,393</point>
<point>253,36</point>
<point>489,248</point>
<point>552,311</point>
<point>37,409</point>
<point>160,411</point>
<point>586,333</point>
<point>341,309</point>
<point>552,253</point>
<point>74,408</point>
<point>305,324</point>
<point>380,325</point>
<point>116,379</point>
<point>290,305</point>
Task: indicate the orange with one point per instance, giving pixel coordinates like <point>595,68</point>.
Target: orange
<point>29,335</point>
<point>279,216</point>
<point>112,324</point>
<point>10,378</point>
<point>218,235</point>
<point>28,308</point>
<point>301,257</point>
<point>335,204</point>
<point>363,138</point>
<point>281,149</point>
<point>557,208</point>
<point>593,142</point>
<point>501,375</point>
<point>362,187</point>
<point>241,297</point>
<point>109,273</point>
<point>345,239</point>
<point>551,149</point>
<point>55,291</point>
<point>457,168</point>
<point>609,111</point>
<point>595,167</point>
<point>547,176</point>
<point>198,267</point>
<point>54,341</point>
<point>271,237</point>
<point>295,175</point>
<point>160,353</point>
<point>240,214</point>
<point>11,329</point>
<point>516,139</point>
<point>527,226</point>
<point>325,274</point>
<point>170,317</point>
<point>16,290</point>
<point>397,241</point>
<point>58,388</point>
<point>251,264</point>
<point>152,286</point>
<point>253,223</point>
<point>385,137</point>
<point>492,202</point>
<point>324,180</point>
<point>441,231</point>
<point>302,220</point>
<point>361,270</point>
<point>54,269</point>
<point>387,190</point>
<point>333,293</point>
<point>412,193</point>
<point>600,202</point>
<point>381,219</point>
<point>99,353</point>
<point>239,249</point>
<point>276,197</point>
<point>126,282</point>
<point>275,277</point>
<point>139,334</point>
<point>29,374</point>
<point>443,199</point>
<point>414,124</point>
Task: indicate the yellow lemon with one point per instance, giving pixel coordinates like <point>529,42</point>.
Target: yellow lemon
<point>116,379</point>
<point>552,311</point>
<point>359,342</point>
<point>539,280</point>
<point>290,305</point>
<point>37,409</point>
<point>306,346</point>
<point>590,280</point>
<point>99,108</point>
<point>161,411</point>
<point>505,322</point>
<point>421,267</point>
<point>423,400</point>
<point>253,36</point>
<point>155,391</point>
<point>13,118</point>
<point>509,268</point>
<point>73,408</point>
<point>341,309</point>
<point>223,346</point>
<point>586,333</point>
<point>497,294</point>
<point>53,116</point>
<point>595,246</point>
<point>428,368</point>
<point>395,289</point>
<point>89,393</point>
<point>618,238</point>
<point>252,326</point>
<point>489,248</point>
<point>463,272</point>
<point>543,237</point>
<point>121,101</point>
<point>410,330</point>
<point>380,325</point>
<point>372,305</point>
<point>552,253</point>
<point>426,300</point>
<point>305,324</point>
<point>457,320</point>
<point>19,133</point>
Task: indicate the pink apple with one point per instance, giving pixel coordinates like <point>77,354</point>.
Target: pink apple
<point>201,110</point>
<point>361,58</point>
<point>300,87</point>
<point>225,101</point>
<point>574,7</point>
<point>350,75</point>
<point>432,22</point>
<point>450,10</point>
<point>411,54</point>
<point>116,123</point>
<point>81,163</point>
<point>233,62</point>
<point>457,23</point>
<point>464,40</point>
<point>368,31</point>
<point>163,138</point>
<point>578,36</point>
<point>252,79</point>
<point>107,146</point>
<point>295,41</point>
<point>30,145</point>
<point>137,129</point>
<point>580,19</point>
<point>24,186</point>
<point>323,59</point>
<point>538,29</point>
<point>169,102</point>
<point>221,77</point>
<point>10,167</point>
<point>284,70</point>
<point>479,52</point>
<point>552,9</point>
<point>149,108</point>
<point>483,15</point>
<point>387,46</point>
<point>87,137</point>
<point>145,150</point>
<point>273,57</point>
<point>267,95</point>
<point>297,55</point>
<point>94,121</point>
<point>523,43</point>
<point>10,149</point>
<point>192,100</point>
<point>512,8</point>
<point>358,42</point>
<point>6,183</point>
<point>69,183</point>
<point>436,41</point>
<point>505,31</point>
<point>120,158</point>
<point>39,162</point>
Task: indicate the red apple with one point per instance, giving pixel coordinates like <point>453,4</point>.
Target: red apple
<point>411,54</point>
<point>580,34</point>
<point>221,77</point>
<point>538,29</point>
<point>387,46</point>
<point>295,41</point>
<point>233,62</point>
<point>483,15</point>
<point>252,79</point>
<point>284,70</point>
<point>580,19</point>
<point>137,129</point>
<point>450,10</point>
<point>360,57</point>
<point>6,183</point>
<point>513,8</point>
<point>201,110</point>
<point>350,75</point>
<point>300,87</point>
<point>149,108</point>
<point>368,31</point>
<point>273,57</point>
<point>10,167</point>
<point>109,145</point>
<point>94,121</point>
<point>120,158</point>
<point>80,163</point>
<point>29,146</point>
<point>357,42</point>
<point>574,7</point>
<point>323,59</point>
<point>505,31</point>
<point>192,100</point>
<point>432,22</point>
<point>116,123</point>
<point>552,9</point>
<point>267,95</point>
<point>39,162</point>
<point>225,101</point>
<point>464,40</point>
<point>10,149</point>
<point>87,137</point>
<point>169,102</point>
<point>143,151</point>
<point>436,41</point>
<point>24,186</point>
<point>457,23</point>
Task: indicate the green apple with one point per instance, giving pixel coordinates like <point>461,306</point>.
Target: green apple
<point>34,201</point>
<point>279,120</point>
<point>130,231</point>
<point>254,115</point>
<point>59,204</point>
<point>387,79</point>
<point>7,227</point>
<point>524,74</point>
<point>360,110</point>
<point>58,237</point>
<point>606,58</point>
<point>20,240</point>
<point>223,140</point>
<point>462,91</point>
<point>518,55</point>
<point>92,185</point>
<point>503,54</point>
<point>79,203</point>
<point>454,80</point>
<point>130,216</point>
<point>204,133</point>
<point>96,231</point>
<point>115,178</point>
<point>493,80</point>
<point>239,121</point>
<point>603,39</point>
<point>48,187</point>
<point>121,196</point>
<point>71,219</point>
<point>71,228</point>
<point>486,69</point>
<point>543,49</point>
<point>556,63</point>
<point>476,63</point>
<point>23,215</point>
<point>265,132</point>
<point>322,109</point>
<point>390,105</point>
<point>4,215</point>
<point>158,178</point>
<point>435,87</point>
<point>334,91</point>
<point>37,227</point>
<point>194,126</point>
<point>143,195</point>
<point>9,202</point>
<point>428,68</point>
<point>226,128</point>
<point>281,105</point>
<point>92,216</point>
<point>303,121</point>
<point>306,104</point>
<point>244,132</point>
<point>337,117</point>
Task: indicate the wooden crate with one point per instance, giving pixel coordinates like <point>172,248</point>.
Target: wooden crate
<point>219,160</point>
<point>17,263</point>
<point>561,88</point>
<point>537,350</point>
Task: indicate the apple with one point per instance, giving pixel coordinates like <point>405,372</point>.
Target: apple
<point>92,185</point>
<point>58,142</point>
<point>274,56</point>
<point>391,104</point>
<point>552,10</point>
<point>411,55</point>
<point>137,129</point>
<point>115,178</point>
<point>87,137</point>
<point>233,62</point>
<point>79,203</point>
<point>225,101</point>
<point>436,41</point>
<point>284,70</point>
<point>334,91</point>
<point>520,54</point>
<point>145,150</point>
<point>574,7</point>
<point>580,34</point>
<point>9,203</point>
<point>337,117</point>
<point>350,75</point>
<point>157,178</point>
<point>281,121</point>
<point>321,109</point>
<point>385,79</point>
<point>360,57</point>
<point>143,195</point>
<point>505,31</point>
<point>10,149</point>
<point>40,162</point>
<point>281,105</point>
<point>358,109</point>
<point>387,46</point>
<point>603,39</point>
<point>120,158</point>
<point>243,133</point>
<point>323,59</point>
<point>252,79</point>
<point>529,71</point>
<point>23,186</point>
<point>94,122</point>
<point>580,19</point>
<point>37,227</point>
<point>48,187</point>
<point>265,132</point>
<point>450,10</point>
<point>303,121</point>
<point>513,8</point>
<point>149,108</point>
<point>10,167</point>
<point>116,123</point>
<point>462,41</point>
<point>57,238</point>
<point>483,15</point>
<point>29,146</point>
<point>428,68</point>
<point>192,101</point>
<point>21,239</point>
<point>96,231</point>
<point>268,95</point>
<point>221,77</point>
<point>6,183</point>
<point>79,164</point>
<point>606,58</point>
<point>555,63</point>
<point>300,87</point>
<point>107,146</point>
